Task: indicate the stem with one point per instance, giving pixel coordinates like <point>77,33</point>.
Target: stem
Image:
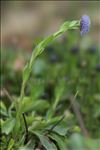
<point>22,91</point>
<point>26,128</point>
<point>40,48</point>
<point>79,116</point>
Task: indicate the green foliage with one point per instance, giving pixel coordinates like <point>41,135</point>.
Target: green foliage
<point>3,109</point>
<point>11,144</point>
<point>59,140</point>
<point>46,142</point>
<point>8,125</point>
<point>29,104</point>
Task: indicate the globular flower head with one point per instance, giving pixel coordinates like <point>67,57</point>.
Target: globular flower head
<point>84,24</point>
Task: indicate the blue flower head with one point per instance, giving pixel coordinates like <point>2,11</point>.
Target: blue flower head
<point>85,24</point>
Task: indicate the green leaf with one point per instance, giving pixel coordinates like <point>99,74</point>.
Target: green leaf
<point>74,23</point>
<point>53,120</point>
<point>24,148</point>
<point>3,110</point>
<point>31,144</point>
<point>26,73</point>
<point>37,90</point>
<point>39,49</point>
<point>46,142</point>
<point>58,92</point>
<point>11,144</point>
<point>38,105</point>
<point>12,106</point>
<point>46,41</point>
<point>60,141</point>
<point>61,129</point>
<point>37,125</point>
<point>8,126</point>
<point>70,25</point>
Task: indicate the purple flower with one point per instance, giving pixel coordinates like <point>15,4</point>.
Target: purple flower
<point>85,24</point>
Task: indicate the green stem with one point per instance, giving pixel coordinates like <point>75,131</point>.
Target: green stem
<point>40,48</point>
<point>22,91</point>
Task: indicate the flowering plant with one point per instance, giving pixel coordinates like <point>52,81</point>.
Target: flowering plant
<point>83,24</point>
<point>23,124</point>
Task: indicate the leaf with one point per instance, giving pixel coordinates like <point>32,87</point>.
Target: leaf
<point>24,148</point>
<point>53,120</point>
<point>47,40</point>
<point>74,23</point>
<point>38,105</point>
<point>58,92</point>
<point>61,129</point>
<point>40,48</point>
<point>17,126</point>
<point>11,144</point>
<point>59,140</point>
<point>31,144</point>
<point>37,125</point>
<point>8,126</point>
<point>70,25</point>
<point>12,106</point>
<point>46,142</point>
<point>26,73</point>
<point>37,90</point>
<point>3,110</point>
